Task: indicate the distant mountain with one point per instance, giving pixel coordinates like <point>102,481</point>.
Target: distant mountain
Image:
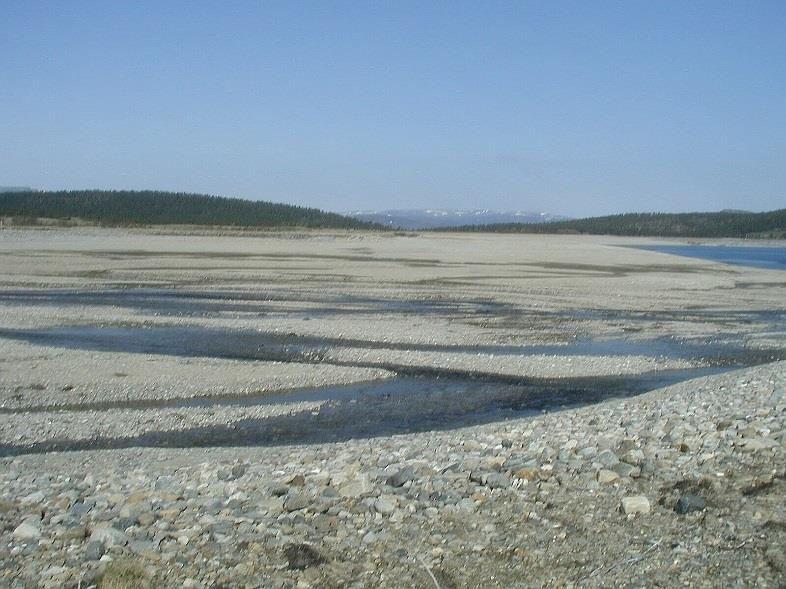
<point>771,224</point>
<point>129,207</point>
<point>433,218</point>
<point>15,189</point>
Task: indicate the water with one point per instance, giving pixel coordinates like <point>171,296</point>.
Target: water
<point>254,345</point>
<point>773,258</point>
<point>171,302</point>
<point>397,406</point>
<point>416,400</point>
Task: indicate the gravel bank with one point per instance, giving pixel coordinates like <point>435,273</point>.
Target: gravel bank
<point>532,366</point>
<point>43,376</point>
<point>680,486</point>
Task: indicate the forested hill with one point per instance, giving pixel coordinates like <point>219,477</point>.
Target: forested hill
<point>771,224</point>
<point>126,207</point>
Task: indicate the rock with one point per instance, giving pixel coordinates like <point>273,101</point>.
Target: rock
<point>278,490</point>
<point>634,457</point>
<point>27,531</point>
<point>607,476</point>
<point>80,508</point>
<point>297,481</point>
<point>53,571</point>
<point>146,519</point>
<point>401,477</point>
<point>353,489</point>
<point>384,506</point>
<point>94,550</point>
<point>477,476</point>
<point>123,523</point>
<point>295,502</point>
<point>302,556</point>
<point>776,559</point>
<point>36,497</point>
<point>108,536</point>
<point>526,474</point>
<point>637,504</point>
<point>497,481</point>
<point>753,445</point>
<point>688,503</point>
<point>626,470</point>
<point>607,458</point>
<point>74,532</point>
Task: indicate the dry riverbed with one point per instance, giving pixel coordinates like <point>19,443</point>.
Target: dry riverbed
<point>147,425</point>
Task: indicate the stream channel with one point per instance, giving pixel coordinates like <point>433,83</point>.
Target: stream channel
<point>414,400</point>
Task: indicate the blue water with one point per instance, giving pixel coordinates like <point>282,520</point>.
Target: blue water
<point>759,257</point>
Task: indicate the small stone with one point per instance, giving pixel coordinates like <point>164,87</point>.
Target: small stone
<point>626,470</point>
<point>94,550</point>
<point>776,559</point>
<point>279,490</point>
<point>607,476</point>
<point>27,531</point>
<point>81,508</point>
<point>384,506</point>
<point>53,571</point>
<point>688,503</point>
<point>352,489</point>
<point>302,556</point>
<point>526,474</point>
<point>497,481</point>
<point>108,536</point>
<point>146,519</point>
<point>123,523</point>
<point>637,504</point>
<point>36,497</point>
<point>401,477</point>
<point>753,445</point>
<point>297,481</point>
<point>634,457</point>
<point>607,458</point>
<point>75,532</point>
<point>466,504</point>
<point>295,502</point>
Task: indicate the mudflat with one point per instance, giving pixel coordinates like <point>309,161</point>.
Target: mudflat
<point>218,408</point>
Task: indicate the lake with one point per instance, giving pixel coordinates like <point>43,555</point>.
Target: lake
<point>760,257</point>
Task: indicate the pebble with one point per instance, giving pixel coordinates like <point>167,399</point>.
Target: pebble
<point>635,505</point>
<point>108,536</point>
<point>688,503</point>
<point>27,531</point>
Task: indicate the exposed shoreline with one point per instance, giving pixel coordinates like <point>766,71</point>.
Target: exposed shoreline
<point>526,501</point>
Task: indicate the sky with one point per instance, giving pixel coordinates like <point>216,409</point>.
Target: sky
<point>574,108</point>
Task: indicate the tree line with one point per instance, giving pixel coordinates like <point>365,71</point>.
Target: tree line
<point>771,224</point>
<point>149,207</point>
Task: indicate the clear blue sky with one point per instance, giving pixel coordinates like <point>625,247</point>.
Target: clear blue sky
<point>571,107</point>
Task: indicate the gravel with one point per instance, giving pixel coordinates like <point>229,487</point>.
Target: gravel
<point>684,485</point>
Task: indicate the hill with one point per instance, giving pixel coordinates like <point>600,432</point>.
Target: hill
<point>15,189</point>
<point>126,207</point>
<point>430,218</point>
<point>770,224</point>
